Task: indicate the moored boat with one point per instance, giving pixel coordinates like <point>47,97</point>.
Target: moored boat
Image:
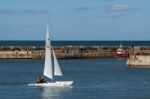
<point>121,53</point>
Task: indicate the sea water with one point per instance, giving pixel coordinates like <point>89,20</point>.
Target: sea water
<point>93,79</point>
<point>76,43</point>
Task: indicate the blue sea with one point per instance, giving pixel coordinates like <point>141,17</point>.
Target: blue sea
<point>75,43</point>
<point>93,79</point>
<point>107,78</point>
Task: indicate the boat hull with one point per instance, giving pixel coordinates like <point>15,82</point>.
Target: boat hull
<point>120,55</point>
<point>53,84</point>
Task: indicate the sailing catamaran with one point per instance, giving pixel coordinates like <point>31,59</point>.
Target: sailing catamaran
<point>51,67</point>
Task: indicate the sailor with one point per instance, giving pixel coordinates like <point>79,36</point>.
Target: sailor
<point>40,79</point>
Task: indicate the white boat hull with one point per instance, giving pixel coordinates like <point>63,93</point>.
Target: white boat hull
<point>53,84</point>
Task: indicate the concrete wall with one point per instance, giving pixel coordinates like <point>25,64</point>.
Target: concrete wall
<point>61,52</point>
<point>139,60</point>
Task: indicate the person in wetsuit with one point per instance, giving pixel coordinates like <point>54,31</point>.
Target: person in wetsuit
<point>40,79</point>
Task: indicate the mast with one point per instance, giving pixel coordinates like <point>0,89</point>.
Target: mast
<point>120,45</point>
<point>48,69</point>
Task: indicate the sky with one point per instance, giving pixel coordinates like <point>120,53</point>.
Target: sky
<point>75,19</point>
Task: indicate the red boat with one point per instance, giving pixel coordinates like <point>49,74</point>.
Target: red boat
<point>120,53</point>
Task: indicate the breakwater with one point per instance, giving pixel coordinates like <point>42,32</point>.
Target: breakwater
<point>62,52</point>
<point>67,52</point>
<point>138,60</point>
<point>139,56</point>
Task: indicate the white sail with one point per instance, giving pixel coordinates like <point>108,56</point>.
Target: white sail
<point>57,70</point>
<point>48,58</point>
<point>49,69</point>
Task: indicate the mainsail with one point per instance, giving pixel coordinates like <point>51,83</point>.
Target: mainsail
<point>48,58</point>
<point>57,70</point>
